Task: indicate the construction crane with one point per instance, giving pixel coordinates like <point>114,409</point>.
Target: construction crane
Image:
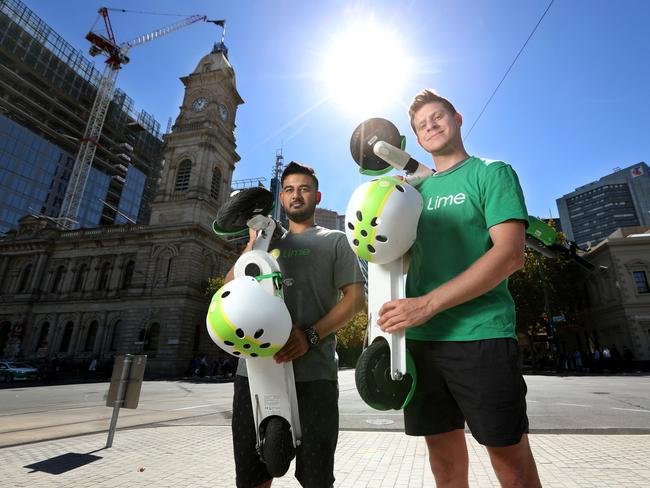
<point>116,56</point>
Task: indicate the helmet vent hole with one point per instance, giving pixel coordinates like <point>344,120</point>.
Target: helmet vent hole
<point>350,226</point>
<point>371,249</point>
<point>364,233</point>
<point>247,346</point>
<point>359,215</point>
<point>374,222</point>
<point>400,188</point>
<point>228,343</point>
<point>382,238</point>
<point>252,269</point>
<point>355,242</point>
<point>225,294</point>
<point>265,345</point>
<point>253,355</point>
<point>258,333</point>
<point>236,353</point>
<point>240,333</point>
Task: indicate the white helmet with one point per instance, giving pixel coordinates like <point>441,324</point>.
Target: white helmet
<point>245,320</point>
<point>381,221</point>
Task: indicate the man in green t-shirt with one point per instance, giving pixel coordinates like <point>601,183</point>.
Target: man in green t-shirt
<point>458,315</point>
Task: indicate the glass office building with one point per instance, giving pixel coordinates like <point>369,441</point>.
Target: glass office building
<point>47,89</point>
<point>34,174</point>
<point>131,196</point>
<point>593,211</point>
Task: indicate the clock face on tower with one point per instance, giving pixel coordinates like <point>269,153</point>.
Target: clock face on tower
<point>223,112</point>
<point>199,104</point>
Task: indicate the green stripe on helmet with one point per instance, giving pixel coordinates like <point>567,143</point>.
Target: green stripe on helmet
<point>223,328</point>
<point>373,204</point>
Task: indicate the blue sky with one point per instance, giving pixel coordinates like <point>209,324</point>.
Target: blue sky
<point>575,105</point>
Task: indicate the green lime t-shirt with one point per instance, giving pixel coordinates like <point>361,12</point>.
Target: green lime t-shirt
<point>460,206</point>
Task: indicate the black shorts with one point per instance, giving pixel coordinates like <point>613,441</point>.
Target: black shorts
<point>478,382</point>
<point>319,421</point>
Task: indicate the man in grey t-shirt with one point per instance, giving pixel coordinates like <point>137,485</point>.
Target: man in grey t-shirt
<point>326,292</point>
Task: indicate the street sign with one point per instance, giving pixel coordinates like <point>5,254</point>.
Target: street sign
<point>136,375</point>
<point>559,318</point>
<point>126,383</point>
<point>130,381</point>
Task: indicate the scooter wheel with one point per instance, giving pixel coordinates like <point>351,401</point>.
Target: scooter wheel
<point>374,383</point>
<point>277,446</point>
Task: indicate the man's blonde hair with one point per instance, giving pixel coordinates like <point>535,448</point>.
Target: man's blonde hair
<point>428,96</point>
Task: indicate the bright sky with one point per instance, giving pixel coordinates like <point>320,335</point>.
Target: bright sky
<point>575,105</point>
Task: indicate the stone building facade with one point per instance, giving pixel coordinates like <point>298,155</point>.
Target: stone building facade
<point>619,294</point>
<point>133,288</point>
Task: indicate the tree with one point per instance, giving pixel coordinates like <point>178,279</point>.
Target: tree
<point>354,333</point>
<point>213,285</point>
<point>563,278</point>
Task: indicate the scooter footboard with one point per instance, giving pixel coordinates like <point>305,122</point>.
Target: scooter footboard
<point>273,393</point>
<point>386,283</point>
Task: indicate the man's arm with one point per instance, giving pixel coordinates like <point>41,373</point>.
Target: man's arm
<point>353,301</point>
<point>504,258</point>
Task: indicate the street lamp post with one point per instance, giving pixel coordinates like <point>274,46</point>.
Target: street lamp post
<point>550,327</point>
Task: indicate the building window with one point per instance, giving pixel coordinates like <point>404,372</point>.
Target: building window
<point>58,277</point>
<point>152,335</point>
<point>24,278</point>
<point>216,183</point>
<point>42,336</point>
<point>81,277</point>
<point>183,175</point>
<point>91,336</point>
<point>641,281</point>
<point>67,336</point>
<point>103,276</point>
<point>128,274</point>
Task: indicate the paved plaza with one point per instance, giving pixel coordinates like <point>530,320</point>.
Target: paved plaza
<point>201,456</point>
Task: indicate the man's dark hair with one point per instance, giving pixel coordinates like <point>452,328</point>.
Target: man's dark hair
<point>428,96</point>
<point>296,168</point>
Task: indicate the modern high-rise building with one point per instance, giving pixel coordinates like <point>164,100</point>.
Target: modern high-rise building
<point>47,89</point>
<point>595,210</point>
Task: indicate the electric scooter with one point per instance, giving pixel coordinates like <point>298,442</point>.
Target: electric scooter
<point>248,318</point>
<point>380,224</point>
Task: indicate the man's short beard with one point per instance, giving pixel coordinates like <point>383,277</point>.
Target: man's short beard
<point>301,215</point>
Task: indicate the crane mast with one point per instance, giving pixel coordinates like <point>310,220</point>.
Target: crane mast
<point>116,56</point>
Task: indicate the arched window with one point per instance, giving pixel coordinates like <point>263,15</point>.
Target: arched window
<point>24,278</point>
<point>115,337</point>
<point>128,274</point>
<point>81,277</point>
<point>67,336</point>
<point>91,336</point>
<point>151,340</point>
<point>5,327</point>
<point>197,337</point>
<point>215,187</point>
<point>183,175</point>
<point>58,277</point>
<point>42,336</point>
<point>105,272</point>
<point>164,268</point>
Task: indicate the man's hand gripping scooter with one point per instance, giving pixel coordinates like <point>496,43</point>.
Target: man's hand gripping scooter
<point>249,319</point>
<point>381,224</point>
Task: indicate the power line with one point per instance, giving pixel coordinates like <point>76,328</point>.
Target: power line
<point>509,68</point>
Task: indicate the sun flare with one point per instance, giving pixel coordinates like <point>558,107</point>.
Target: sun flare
<point>365,68</point>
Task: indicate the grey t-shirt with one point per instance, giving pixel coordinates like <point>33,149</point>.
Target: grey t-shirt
<point>320,262</point>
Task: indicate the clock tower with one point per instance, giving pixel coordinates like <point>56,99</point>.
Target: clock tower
<point>199,153</point>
